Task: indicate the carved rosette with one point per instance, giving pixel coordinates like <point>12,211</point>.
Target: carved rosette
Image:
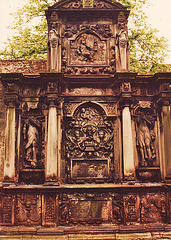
<point>89,144</point>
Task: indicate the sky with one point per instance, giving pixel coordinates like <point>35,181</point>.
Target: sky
<point>158,13</point>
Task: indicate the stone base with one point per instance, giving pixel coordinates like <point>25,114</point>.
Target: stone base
<point>32,176</point>
<point>79,233</point>
<point>148,174</point>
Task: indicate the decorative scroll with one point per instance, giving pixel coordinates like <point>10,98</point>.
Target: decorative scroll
<point>153,207</point>
<point>97,4</point>
<point>89,144</point>
<point>28,209</point>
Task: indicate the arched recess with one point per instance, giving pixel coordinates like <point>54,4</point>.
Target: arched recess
<point>89,145</point>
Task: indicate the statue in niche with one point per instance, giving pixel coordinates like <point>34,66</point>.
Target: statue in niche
<point>145,139</point>
<point>31,135</point>
<point>54,43</point>
<point>122,44</point>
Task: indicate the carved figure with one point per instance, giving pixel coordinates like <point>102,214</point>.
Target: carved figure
<point>145,139</point>
<point>54,43</point>
<point>122,44</point>
<point>32,142</point>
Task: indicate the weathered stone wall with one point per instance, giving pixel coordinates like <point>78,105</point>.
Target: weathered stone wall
<point>23,66</point>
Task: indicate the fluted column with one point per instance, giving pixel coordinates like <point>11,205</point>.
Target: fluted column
<point>128,156</point>
<point>51,172</point>
<point>9,164</point>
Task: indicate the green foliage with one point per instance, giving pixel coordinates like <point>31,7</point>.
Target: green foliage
<point>147,51</point>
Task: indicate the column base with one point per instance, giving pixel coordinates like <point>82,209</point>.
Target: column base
<point>8,181</point>
<point>51,183</point>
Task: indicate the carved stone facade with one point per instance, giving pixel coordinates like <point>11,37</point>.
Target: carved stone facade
<point>87,143</point>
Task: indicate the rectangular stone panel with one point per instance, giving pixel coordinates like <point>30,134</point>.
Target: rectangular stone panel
<point>90,211</point>
<point>28,209</point>
<point>82,168</point>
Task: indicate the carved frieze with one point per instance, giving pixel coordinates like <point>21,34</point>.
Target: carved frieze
<point>28,209</point>
<point>89,144</point>
<point>153,207</point>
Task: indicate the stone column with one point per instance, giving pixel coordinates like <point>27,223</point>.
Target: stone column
<point>9,164</point>
<point>128,156</point>
<point>51,163</point>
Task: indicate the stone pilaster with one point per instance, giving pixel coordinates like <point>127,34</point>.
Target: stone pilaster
<point>11,101</point>
<point>127,138</point>
<point>51,173</point>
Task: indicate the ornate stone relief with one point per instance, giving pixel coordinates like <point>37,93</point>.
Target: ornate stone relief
<point>153,207</point>
<point>50,209</point>
<point>28,209</point>
<point>88,49</point>
<point>131,208</point>
<point>97,4</point>
<point>89,144</point>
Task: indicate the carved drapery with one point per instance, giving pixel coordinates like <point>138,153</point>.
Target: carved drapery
<point>89,144</point>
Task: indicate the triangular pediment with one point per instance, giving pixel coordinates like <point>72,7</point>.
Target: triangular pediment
<point>87,4</point>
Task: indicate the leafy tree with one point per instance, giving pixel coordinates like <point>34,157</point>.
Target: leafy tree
<point>147,50</point>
